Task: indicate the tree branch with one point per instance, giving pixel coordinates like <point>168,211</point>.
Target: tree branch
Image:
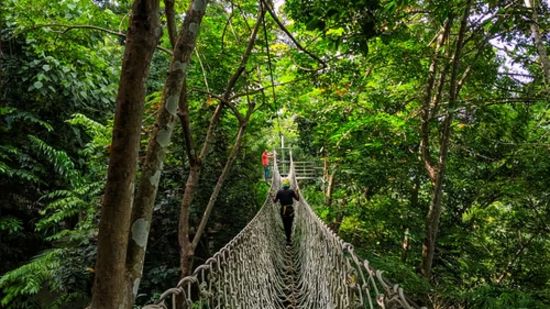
<point>171,21</point>
<point>95,28</point>
<point>505,101</point>
<point>254,91</point>
<point>506,271</point>
<point>210,94</point>
<point>285,30</point>
<point>221,179</point>
<point>225,98</point>
<point>183,114</point>
<point>436,100</point>
<point>233,80</point>
<point>425,111</point>
<point>202,68</point>
<point>233,109</point>
<point>243,15</point>
<point>468,69</point>
<point>227,25</point>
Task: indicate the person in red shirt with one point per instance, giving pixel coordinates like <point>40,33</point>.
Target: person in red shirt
<point>265,162</point>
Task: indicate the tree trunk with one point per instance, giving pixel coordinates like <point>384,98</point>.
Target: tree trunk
<point>535,30</point>
<point>330,187</point>
<point>415,190</point>
<point>183,228</point>
<point>328,175</point>
<point>170,21</point>
<point>184,239</point>
<point>427,102</point>
<point>434,213</point>
<point>225,172</point>
<point>414,207</point>
<point>158,143</point>
<point>195,166</point>
<point>338,208</point>
<point>110,270</point>
<point>405,245</point>
<point>432,225</point>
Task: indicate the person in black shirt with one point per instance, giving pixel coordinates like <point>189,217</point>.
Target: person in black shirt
<point>285,196</point>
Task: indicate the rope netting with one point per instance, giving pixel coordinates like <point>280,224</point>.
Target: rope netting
<point>257,270</point>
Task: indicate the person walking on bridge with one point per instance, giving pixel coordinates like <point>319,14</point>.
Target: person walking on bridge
<point>286,197</point>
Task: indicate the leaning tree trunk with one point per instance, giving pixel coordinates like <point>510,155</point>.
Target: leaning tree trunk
<point>195,162</point>
<point>195,166</point>
<point>225,172</point>
<point>110,270</point>
<point>158,143</point>
<point>434,212</point>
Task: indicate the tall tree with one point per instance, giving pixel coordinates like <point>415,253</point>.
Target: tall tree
<point>159,141</point>
<point>533,6</point>
<point>437,171</point>
<point>187,244</point>
<point>110,271</point>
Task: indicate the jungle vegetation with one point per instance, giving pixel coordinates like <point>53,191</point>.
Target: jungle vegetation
<point>431,120</point>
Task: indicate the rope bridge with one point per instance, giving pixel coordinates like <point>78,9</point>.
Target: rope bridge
<point>256,270</point>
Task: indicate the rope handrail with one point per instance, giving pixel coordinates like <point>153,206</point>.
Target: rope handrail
<point>356,276</point>
<point>225,281</point>
<point>256,270</point>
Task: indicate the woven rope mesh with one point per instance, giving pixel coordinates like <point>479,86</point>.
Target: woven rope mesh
<point>256,269</point>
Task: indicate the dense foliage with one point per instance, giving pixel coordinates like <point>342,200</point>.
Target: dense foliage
<point>358,114</point>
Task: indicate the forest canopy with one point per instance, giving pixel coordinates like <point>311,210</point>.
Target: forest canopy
<point>141,124</point>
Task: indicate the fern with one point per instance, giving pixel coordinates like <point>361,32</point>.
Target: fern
<point>12,165</point>
<point>93,128</point>
<point>28,279</point>
<point>61,271</point>
<point>100,134</point>
<point>66,208</point>
<point>83,195</point>
<point>68,204</point>
<point>57,194</point>
<point>4,168</point>
<point>7,150</point>
<point>61,162</point>
<point>20,174</point>
<point>12,115</point>
<point>10,225</point>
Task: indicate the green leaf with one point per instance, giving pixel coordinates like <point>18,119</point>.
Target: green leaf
<point>11,225</point>
<point>37,85</point>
